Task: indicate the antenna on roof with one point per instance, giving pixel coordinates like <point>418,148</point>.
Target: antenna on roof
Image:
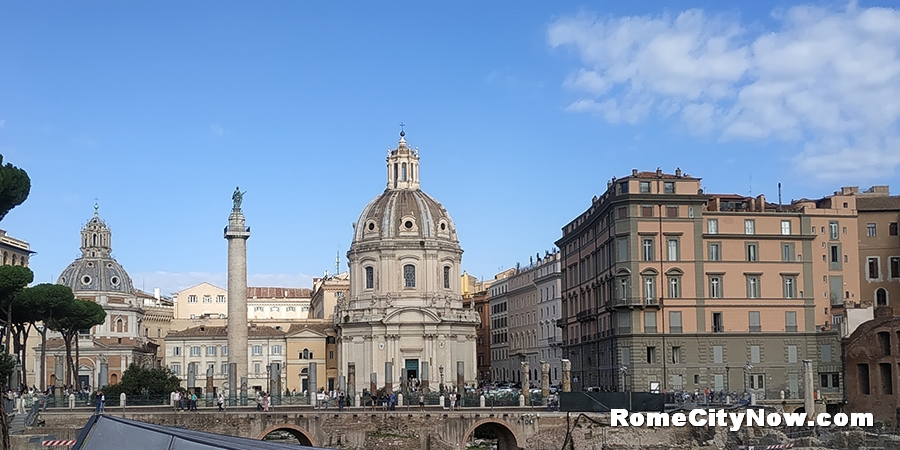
<point>337,262</point>
<point>779,197</point>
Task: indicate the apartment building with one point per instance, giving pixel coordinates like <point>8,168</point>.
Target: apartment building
<point>666,287</point>
<point>15,251</point>
<point>207,304</point>
<point>879,245</point>
<point>501,365</point>
<point>475,296</point>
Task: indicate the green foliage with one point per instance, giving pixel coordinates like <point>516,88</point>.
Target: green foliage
<point>75,315</point>
<point>7,366</point>
<point>14,187</point>
<point>137,380</point>
<point>40,302</point>
<point>13,279</point>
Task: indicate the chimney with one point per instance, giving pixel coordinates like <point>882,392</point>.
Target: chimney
<point>634,172</point>
<point>156,293</point>
<point>678,172</point>
<point>658,172</point>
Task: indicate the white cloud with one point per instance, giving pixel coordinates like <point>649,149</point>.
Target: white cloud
<point>216,130</point>
<point>171,282</point>
<point>826,81</point>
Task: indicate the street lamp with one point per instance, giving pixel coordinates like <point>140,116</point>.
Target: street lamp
<point>441,370</point>
<point>624,370</point>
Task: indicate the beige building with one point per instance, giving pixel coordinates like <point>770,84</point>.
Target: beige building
<point>879,246</point>
<point>207,304</point>
<point>667,287</point>
<point>325,295</point>
<point>405,308</point>
<point>16,252</point>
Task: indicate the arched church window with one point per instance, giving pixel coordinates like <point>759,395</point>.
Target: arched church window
<point>5,257</point>
<point>395,174</point>
<point>446,277</point>
<point>403,172</point>
<point>95,240</point>
<point>119,326</point>
<point>305,354</point>
<point>370,277</point>
<point>881,297</point>
<point>409,276</point>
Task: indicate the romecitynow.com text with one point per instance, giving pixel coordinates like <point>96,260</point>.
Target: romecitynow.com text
<point>735,419</point>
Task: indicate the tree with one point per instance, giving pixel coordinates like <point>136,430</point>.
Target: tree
<point>144,381</point>
<point>14,187</point>
<point>12,280</point>
<point>37,304</point>
<point>70,318</point>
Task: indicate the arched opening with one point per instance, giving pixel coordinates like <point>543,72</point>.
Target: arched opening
<point>881,297</point>
<point>119,326</point>
<point>287,434</point>
<point>490,433</point>
<point>95,240</point>
<point>113,379</point>
<point>403,172</point>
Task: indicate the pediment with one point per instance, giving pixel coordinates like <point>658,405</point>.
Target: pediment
<point>411,315</point>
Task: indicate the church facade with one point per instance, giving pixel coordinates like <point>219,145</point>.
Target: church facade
<point>404,316</point>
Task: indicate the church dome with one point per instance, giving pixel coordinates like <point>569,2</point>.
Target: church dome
<point>96,269</point>
<point>403,210</point>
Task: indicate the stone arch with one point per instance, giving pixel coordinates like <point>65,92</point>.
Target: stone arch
<point>302,435</point>
<point>507,438</point>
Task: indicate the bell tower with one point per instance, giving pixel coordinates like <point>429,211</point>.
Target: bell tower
<point>403,166</point>
<point>96,237</point>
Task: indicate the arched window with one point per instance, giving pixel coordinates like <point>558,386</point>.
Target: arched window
<point>95,240</point>
<point>5,257</point>
<point>409,276</point>
<point>395,174</point>
<point>305,354</point>
<point>403,172</point>
<point>119,325</point>
<point>370,277</point>
<point>446,277</point>
<point>14,260</point>
<point>881,297</point>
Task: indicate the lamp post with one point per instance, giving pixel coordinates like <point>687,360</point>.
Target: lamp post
<point>624,370</point>
<point>41,330</point>
<point>727,370</point>
<point>441,370</point>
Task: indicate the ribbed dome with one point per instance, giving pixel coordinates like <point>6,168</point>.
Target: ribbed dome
<point>96,270</point>
<point>399,213</point>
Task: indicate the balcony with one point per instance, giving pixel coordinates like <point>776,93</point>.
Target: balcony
<point>625,302</point>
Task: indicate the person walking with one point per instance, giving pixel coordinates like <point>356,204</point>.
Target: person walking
<point>221,401</point>
<point>268,400</point>
<point>421,401</point>
<point>193,401</point>
<point>259,401</point>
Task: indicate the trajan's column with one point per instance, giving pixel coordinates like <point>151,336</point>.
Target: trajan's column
<point>237,234</point>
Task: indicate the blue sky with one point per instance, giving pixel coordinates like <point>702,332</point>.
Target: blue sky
<point>521,111</point>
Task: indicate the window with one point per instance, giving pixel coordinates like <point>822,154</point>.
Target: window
<point>409,276</point>
<point>256,367</point>
<point>691,212</point>
<point>835,262</point>
<point>749,226</point>
<point>370,277</point>
<point>676,355</point>
<point>446,277</point>
<point>645,187</point>
<point>674,287</point>
<point>646,211</point>
<point>754,353</point>
<point>192,299</point>
<point>755,327</point>
<point>792,353</point>
<point>870,229</point>
<point>621,212</point>
<point>712,226</point>
<point>830,380</point>
<point>622,253</point>
<point>874,270</point>
<point>833,230</point>
<point>276,349</point>
<point>623,288</point>
<point>175,368</point>
<point>220,299</point>
<point>675,322</point>
<point>717,323</point>
<point>895,266</point>
<point>649,289</point>
<point>669,187</point>
<point>211,350</point>
<point>649,321</point>
<point>715,286</point>
<point>207,299</point>
<point>787,252</point>
<point>753,288</point>
<point>257,349</point>
<point>195,350</point>
<point>671,211</point>
<point>892,228</point>
<point>274,308</point>
<point>757,381</point>
<point>714,252</point>
<point>881,297</point>
<point>752,252</point>
<point>623,187</point>
<point>790,286</point>
<point>176,351</point>
<point>258,309</point>
<point>672,249</point>
<point>290,309</point>
<point>786,227</point>
<point>651,355</point>
<point>224,350</point>
<point>647,249</point>
<point>224,369</point>
<point>718,354</point>
<point>790,321</point>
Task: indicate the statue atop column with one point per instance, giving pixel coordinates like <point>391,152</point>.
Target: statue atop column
<point>237,197</point>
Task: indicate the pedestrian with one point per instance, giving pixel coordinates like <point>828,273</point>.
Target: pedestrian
<point>341,401</point>
<point>259,401</point>
<point>393,402</point>
<point>268,400</point>
<point>193,401</point>
<point>452,400</point>
<point>221,401</point>
<point>421,401</point>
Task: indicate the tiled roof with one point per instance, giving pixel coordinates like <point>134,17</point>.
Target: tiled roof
<point>204,330</point>
<point>878,203</point>
<point>278,292</point>
<point>317,326</point>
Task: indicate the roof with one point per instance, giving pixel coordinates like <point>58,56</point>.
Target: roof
<point>278,292</point>
<point>318,327</point>
<point>104,432</point>
<point>205,330</point>
<point>878,203</point>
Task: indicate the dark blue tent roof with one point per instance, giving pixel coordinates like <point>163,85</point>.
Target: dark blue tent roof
<point>104,432</point>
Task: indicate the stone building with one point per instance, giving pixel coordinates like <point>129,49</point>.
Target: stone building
<point>475,295</point>
<point>207,304</point>
<point>108,349</point>
<point>879,245</point>
<point>872,361</point>
<point>16,252</point>
<point>502,367</point>
<point>325,294</point>
<point>666,287</point>
<point>405,307</point>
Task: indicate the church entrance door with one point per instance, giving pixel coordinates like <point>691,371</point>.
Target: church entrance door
<point>412,368</point>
